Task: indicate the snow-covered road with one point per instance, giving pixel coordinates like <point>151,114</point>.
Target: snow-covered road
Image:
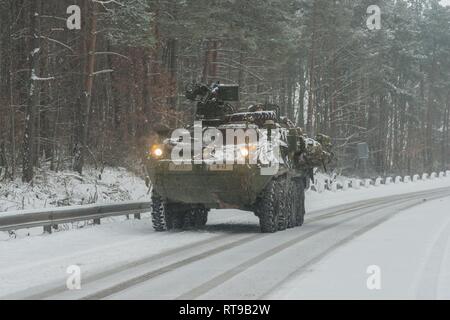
<point>411,253</point>
<point>389,227</point>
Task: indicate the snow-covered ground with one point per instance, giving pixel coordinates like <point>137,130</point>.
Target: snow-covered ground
<point>325,199</point>
<point>401,247</point>
<point>37,261</point>
<point>410,253</point>
<point>65,188</point>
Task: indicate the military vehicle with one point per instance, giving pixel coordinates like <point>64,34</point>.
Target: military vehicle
<point>183,192</point>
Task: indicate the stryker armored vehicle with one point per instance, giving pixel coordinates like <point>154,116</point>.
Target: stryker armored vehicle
<point>254,160</point>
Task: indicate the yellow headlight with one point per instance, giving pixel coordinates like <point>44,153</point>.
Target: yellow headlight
<point>248,151</point>
<point>244,152</point>
<point>156,151</point>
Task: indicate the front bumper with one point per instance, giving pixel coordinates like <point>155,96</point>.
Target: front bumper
<point>231,186</point>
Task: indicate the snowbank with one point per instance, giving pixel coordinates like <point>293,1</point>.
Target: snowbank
<point>67,188</point>
<point>318,197</point>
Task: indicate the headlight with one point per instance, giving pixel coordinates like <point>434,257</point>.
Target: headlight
<point>244,151</point>
<point>248,152</point>
<point>156,151</point>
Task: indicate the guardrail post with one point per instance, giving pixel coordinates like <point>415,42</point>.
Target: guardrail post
<point>321,187</point>
<point>356,183</point>
<point>345,185</point>
<point>48,229</point>
<point>318,186</point>
<point>137,216</point>
<point>377,181</point>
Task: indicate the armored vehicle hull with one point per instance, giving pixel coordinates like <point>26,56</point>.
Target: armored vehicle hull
<point>183,197</point>
<point>202,176</point>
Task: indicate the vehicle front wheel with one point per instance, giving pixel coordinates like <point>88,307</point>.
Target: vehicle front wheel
<point>266,208</point>
<point>162,218</point>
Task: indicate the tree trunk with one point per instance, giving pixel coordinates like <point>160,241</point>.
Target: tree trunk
<point>12,109</point>
<point>301,98</point>
<point>429,121</point>
<point>312,63</point>
<point>29,140</point>
<point>86,99</point>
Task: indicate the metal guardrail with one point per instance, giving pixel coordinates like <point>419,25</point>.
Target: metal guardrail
<point>356,183</point>
<point>55,216</point>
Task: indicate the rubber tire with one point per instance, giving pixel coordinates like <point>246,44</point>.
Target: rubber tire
<point>188,218</point>
<point>161,217</point>
<point>284,207</point>
<point>195,218</point>
<point>300,203</point>
<point>178,220</point>
<point>293,205</point>
<point>200,218</point>
<point>267,208</point>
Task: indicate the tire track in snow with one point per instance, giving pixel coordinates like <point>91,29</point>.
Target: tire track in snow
<point>220,279</point>
<point>317,215</point>
<point>171,267</point>
<point>98,276</point>
<point>429,278</point>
